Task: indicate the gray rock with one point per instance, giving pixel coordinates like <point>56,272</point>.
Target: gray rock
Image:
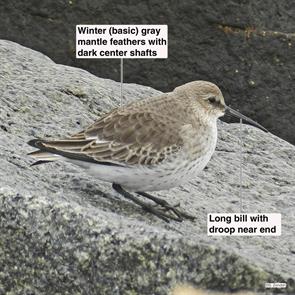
<point>245,47</point>
<point>63,232</point>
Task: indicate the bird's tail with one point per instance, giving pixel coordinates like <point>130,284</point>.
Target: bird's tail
<point>52,150</point>
<point>43,157</point>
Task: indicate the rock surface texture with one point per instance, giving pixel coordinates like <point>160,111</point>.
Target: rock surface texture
<point>63,232</point>
<point>245,47</point>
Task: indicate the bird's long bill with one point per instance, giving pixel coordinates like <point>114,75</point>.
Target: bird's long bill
<point>241,116</point>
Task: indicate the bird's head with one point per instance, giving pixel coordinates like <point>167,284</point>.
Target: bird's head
<point>205,99</point>
<point>207,102</point>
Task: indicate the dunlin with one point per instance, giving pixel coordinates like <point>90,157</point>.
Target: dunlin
<point>148,145</point>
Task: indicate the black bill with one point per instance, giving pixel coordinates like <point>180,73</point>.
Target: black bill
<point>241,116</point>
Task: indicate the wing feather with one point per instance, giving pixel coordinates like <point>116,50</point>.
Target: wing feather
<point>123,137</point>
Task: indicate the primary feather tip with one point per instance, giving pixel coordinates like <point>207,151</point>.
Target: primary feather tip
<point>35,143</point>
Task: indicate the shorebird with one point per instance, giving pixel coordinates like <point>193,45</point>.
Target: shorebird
<point>148,145</point>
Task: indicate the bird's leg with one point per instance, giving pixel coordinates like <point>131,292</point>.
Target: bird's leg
<point>148,207</point>
<point>180,214</point>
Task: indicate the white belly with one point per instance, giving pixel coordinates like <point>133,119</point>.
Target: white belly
<point>138,178</point>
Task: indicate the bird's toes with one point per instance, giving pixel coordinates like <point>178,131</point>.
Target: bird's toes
<point>174,211</point>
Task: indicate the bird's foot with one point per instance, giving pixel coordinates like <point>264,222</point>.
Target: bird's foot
<point>165,211</point>
<point>146,206</point>
<point>176,210</point>
<point>164,206</point>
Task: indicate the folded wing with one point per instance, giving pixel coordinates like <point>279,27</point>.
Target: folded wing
<point>118,138</point>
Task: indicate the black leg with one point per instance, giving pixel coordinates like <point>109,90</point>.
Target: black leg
<point>148,207</point>
<point>180,214</point>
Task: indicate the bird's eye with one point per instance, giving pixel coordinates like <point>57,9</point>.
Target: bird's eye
<point>212,99</point>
